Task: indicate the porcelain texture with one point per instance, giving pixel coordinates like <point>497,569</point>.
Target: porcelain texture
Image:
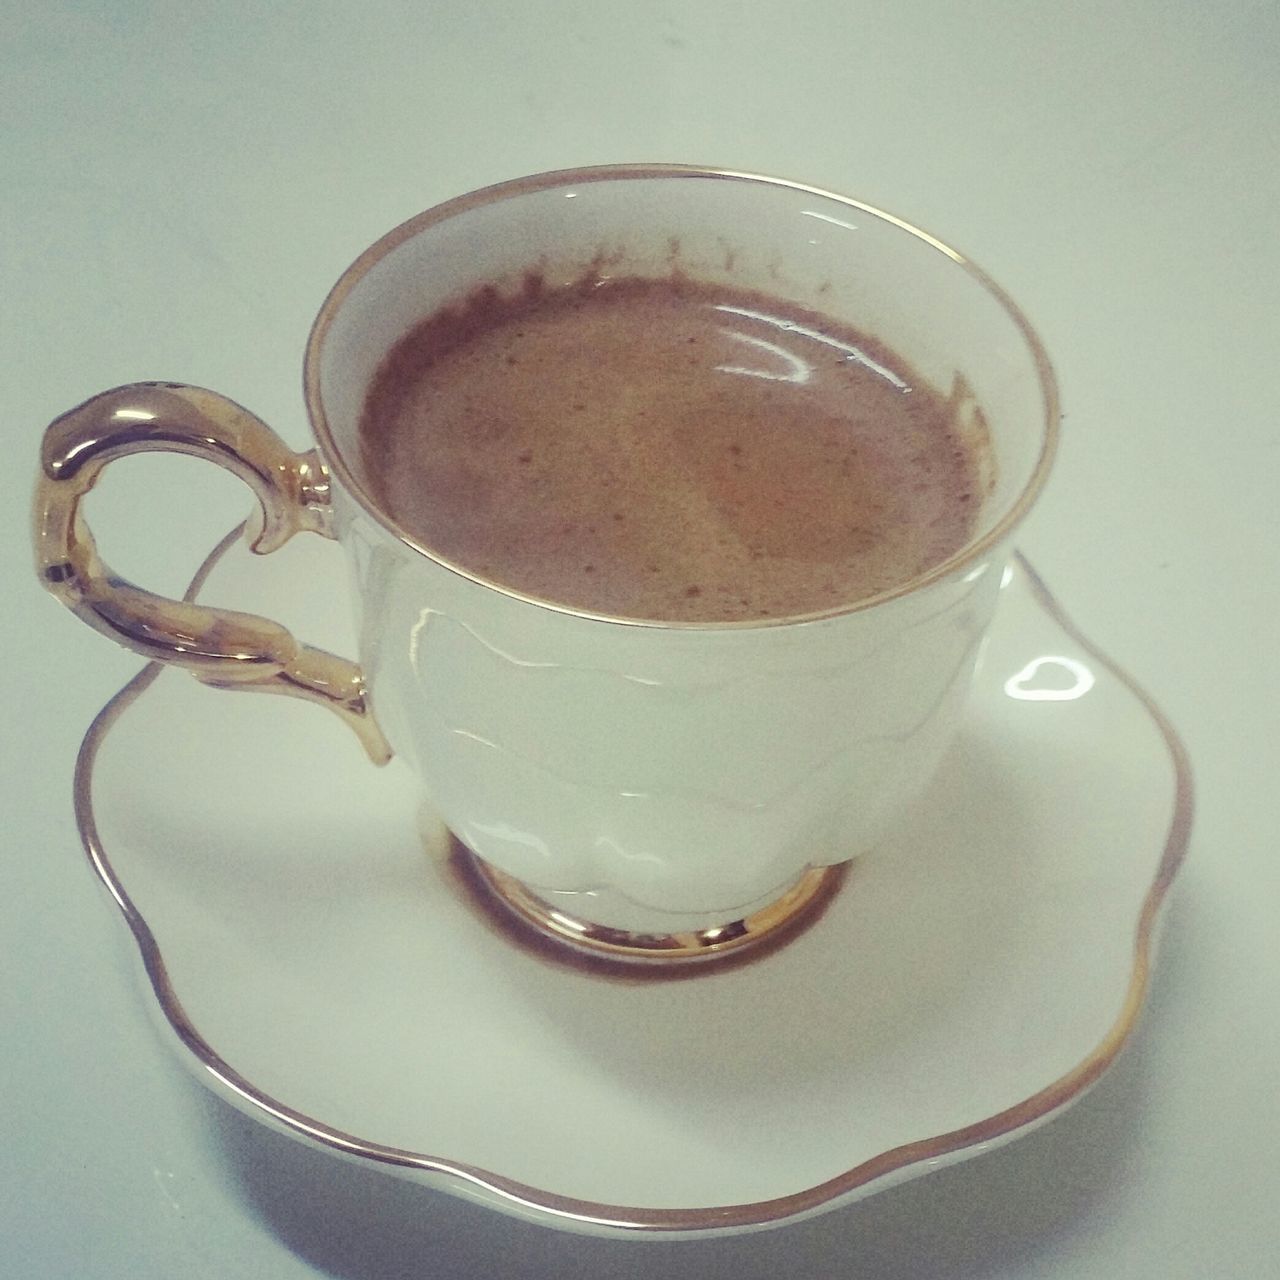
<point>646,776</point>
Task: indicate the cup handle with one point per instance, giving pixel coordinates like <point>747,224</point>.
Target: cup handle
<point>220,647</point>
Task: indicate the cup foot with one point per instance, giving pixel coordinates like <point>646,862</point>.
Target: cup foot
<point>773,923</point>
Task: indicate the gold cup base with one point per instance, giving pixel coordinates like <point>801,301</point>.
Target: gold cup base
<point>775,923</point>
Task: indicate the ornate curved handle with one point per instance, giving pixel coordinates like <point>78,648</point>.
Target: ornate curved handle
<point>220,647</point>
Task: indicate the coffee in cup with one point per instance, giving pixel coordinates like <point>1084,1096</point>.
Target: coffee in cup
<point>669,450</point>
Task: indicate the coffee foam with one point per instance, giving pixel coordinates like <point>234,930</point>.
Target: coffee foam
<point>666,450</point>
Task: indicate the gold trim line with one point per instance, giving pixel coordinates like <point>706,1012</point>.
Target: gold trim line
<point>777,921</point>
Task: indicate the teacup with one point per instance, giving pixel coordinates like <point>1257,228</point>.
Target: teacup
<point>638,790</point>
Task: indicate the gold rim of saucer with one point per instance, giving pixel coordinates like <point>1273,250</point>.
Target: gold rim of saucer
<point>774,923</point>
<point>930,1151</point>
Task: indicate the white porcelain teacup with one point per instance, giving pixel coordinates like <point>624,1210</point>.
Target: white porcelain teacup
<point>644,789</point>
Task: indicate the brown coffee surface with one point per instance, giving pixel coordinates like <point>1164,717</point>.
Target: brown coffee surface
<point>663,449</point>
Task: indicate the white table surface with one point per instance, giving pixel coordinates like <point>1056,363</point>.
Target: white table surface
<point>180,185</point>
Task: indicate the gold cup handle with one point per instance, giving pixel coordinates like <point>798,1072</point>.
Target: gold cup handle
<point>220,647</point>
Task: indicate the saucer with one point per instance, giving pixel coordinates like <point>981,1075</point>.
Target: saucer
<point>315,957</point>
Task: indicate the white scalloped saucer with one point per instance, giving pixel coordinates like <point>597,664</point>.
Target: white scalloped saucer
<point>318,962</point>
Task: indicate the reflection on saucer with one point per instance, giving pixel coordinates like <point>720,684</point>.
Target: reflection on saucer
<point>1052,678</point>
